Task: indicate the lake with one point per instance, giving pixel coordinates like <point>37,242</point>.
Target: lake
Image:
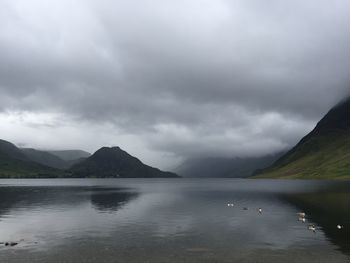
<point>173,220</point>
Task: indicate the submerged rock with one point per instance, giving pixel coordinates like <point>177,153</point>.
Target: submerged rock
<point>11,244</point>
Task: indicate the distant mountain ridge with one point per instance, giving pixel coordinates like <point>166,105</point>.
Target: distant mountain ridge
<point>114,162</point>
<point>323,153</point>
<point>224,167</point>
<point>9,150</point>
<point>70,155</point>
<point>15,163</point>
<point>106,162</point>
<point>45,158</point>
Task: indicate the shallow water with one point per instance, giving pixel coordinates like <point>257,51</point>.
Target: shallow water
<point>173,220</point>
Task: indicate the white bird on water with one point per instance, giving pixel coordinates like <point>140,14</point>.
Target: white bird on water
<point>312,228</point>
<point>260,210</point>
<point>340,227</point>
<point>302,219</point>
<point>230,204</point>
<point>301,214</point>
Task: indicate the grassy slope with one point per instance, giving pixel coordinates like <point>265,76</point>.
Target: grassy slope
<point>12,168</point>
<point>321,157</point>
<point>15,164</point>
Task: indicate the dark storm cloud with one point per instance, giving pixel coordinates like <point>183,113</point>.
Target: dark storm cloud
<point>187,78</point>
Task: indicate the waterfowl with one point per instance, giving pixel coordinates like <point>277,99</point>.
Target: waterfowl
<point>340,227</point>
<point>301,214</point>
<point>230,204</point>
<point>302,219</point>
<point>260,210</point>
<point>312,228</point>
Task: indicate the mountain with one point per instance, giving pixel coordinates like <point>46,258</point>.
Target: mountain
<point>14,163</point>
<point>71,155</point>
<point>45,158</point>
<point>224,167</point>
<point>322,154</point>
<point>10,151</point>
<point>114,162</point>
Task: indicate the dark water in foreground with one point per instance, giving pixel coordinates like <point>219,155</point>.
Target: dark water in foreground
<point>173,220</point>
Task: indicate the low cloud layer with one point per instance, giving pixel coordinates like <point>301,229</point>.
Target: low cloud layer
<point>168,80</point>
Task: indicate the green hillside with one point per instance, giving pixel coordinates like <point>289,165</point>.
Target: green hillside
<point>45,158</point>
<point>10,168</point>
<point>323,154</point>
<point>15,164</point>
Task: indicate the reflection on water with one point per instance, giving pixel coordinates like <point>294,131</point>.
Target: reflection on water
<point>328,209</point>
<point>110,200</point>
<point>173,220</point>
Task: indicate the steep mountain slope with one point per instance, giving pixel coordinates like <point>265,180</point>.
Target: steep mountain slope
<point>10,151</point>
<point>224,167</point>
<point>45,158</point>
<point>114,162</point>
<point>323,153</point>
<point>14,163</point>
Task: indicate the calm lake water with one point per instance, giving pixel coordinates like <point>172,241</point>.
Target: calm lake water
<point>173,220</point>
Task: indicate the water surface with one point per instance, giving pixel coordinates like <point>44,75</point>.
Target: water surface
<point>173,220</point>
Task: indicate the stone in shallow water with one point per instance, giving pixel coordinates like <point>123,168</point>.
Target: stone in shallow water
<point>11,244</point>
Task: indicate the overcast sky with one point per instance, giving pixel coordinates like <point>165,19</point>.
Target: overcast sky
<point>170,79</point>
